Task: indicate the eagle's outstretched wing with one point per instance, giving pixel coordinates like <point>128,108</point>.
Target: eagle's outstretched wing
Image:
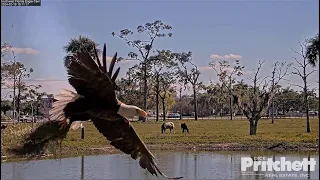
<point>122,136</point>
<point>104,66</point>
<point>90,78</point>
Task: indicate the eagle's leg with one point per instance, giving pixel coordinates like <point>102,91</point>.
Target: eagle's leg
<point>63,124</point>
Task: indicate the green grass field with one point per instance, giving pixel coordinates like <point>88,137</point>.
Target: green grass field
<point>204,134</point>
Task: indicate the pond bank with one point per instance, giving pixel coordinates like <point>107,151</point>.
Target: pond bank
<point>207,135</point>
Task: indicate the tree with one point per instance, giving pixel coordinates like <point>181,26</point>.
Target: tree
<point>81,42</point>
<point>286,99</point>
<point>189,76</point>
<point>152,30</point>
<point>185,104</point>
<point>8,72</point>
<point>5,47</point>
<point>162,63</point>
<point>180,98</point>
<point>217,93</point>
<point>166,81</point>
<point>256,100</point>
<point>240,88</point>
<point>130,91</point>
<point>276,67</point>
<point>17,72</point>
<point>226,75</point>
<point>5,106</point>
<point>312,50</point>
<point>301,71</point>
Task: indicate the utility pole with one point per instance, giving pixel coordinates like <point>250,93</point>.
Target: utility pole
<point>82,131</point>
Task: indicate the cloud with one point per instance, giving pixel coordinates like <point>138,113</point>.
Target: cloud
<point>52,86</point>
<point>226,56</point>
<point>24,50</point>
<point>205,68</point>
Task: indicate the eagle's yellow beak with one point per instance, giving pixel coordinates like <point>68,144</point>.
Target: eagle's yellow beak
<point>142,113</point>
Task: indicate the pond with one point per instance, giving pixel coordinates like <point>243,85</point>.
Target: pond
<point>189,164</point>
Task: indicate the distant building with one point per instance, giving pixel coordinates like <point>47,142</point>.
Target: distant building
<point>46,105</point>
<point>10,113</point>
<point>269,112</point>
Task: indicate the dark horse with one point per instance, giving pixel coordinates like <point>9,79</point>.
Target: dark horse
<point>184,128</point>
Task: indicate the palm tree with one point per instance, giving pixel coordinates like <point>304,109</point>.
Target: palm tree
<point>76,44</point>
<point>312,52</point>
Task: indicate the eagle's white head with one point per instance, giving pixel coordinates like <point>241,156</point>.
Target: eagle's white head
<point>128,111</point>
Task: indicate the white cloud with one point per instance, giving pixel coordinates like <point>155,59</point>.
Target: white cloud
<point>226,56</point>
<point>52,86</point>
<point>24,50</point>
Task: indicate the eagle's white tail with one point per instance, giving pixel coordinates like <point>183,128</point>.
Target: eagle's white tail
<point>65,96</point>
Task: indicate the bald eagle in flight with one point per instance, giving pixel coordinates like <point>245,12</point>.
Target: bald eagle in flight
<point>95,99</point>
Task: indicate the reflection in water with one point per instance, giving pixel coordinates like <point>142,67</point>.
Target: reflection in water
<point>190,165</point>
<point>195,166</point>
<point>82,167</point>
<point>309,165</point>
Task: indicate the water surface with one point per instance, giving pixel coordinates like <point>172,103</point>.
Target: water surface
<point>189,164</point>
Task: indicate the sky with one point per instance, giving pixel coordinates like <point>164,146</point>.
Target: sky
<point>251,31</point>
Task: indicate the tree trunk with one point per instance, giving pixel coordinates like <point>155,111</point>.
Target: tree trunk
<point>18,104</point>
<point>14,93</point>
<point>19,96</point>
<point>180,103</point>
<point>306,101</point>
<point>230,107</point>
<point>145,89</point>
<point>164,109</point>
<point>37,110</point>
<point>221,109</point>
<point>195,103</point>
<point>157,98</point>
<point>230,99</point>
<point>272,115</point>
<point>253,126</point>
